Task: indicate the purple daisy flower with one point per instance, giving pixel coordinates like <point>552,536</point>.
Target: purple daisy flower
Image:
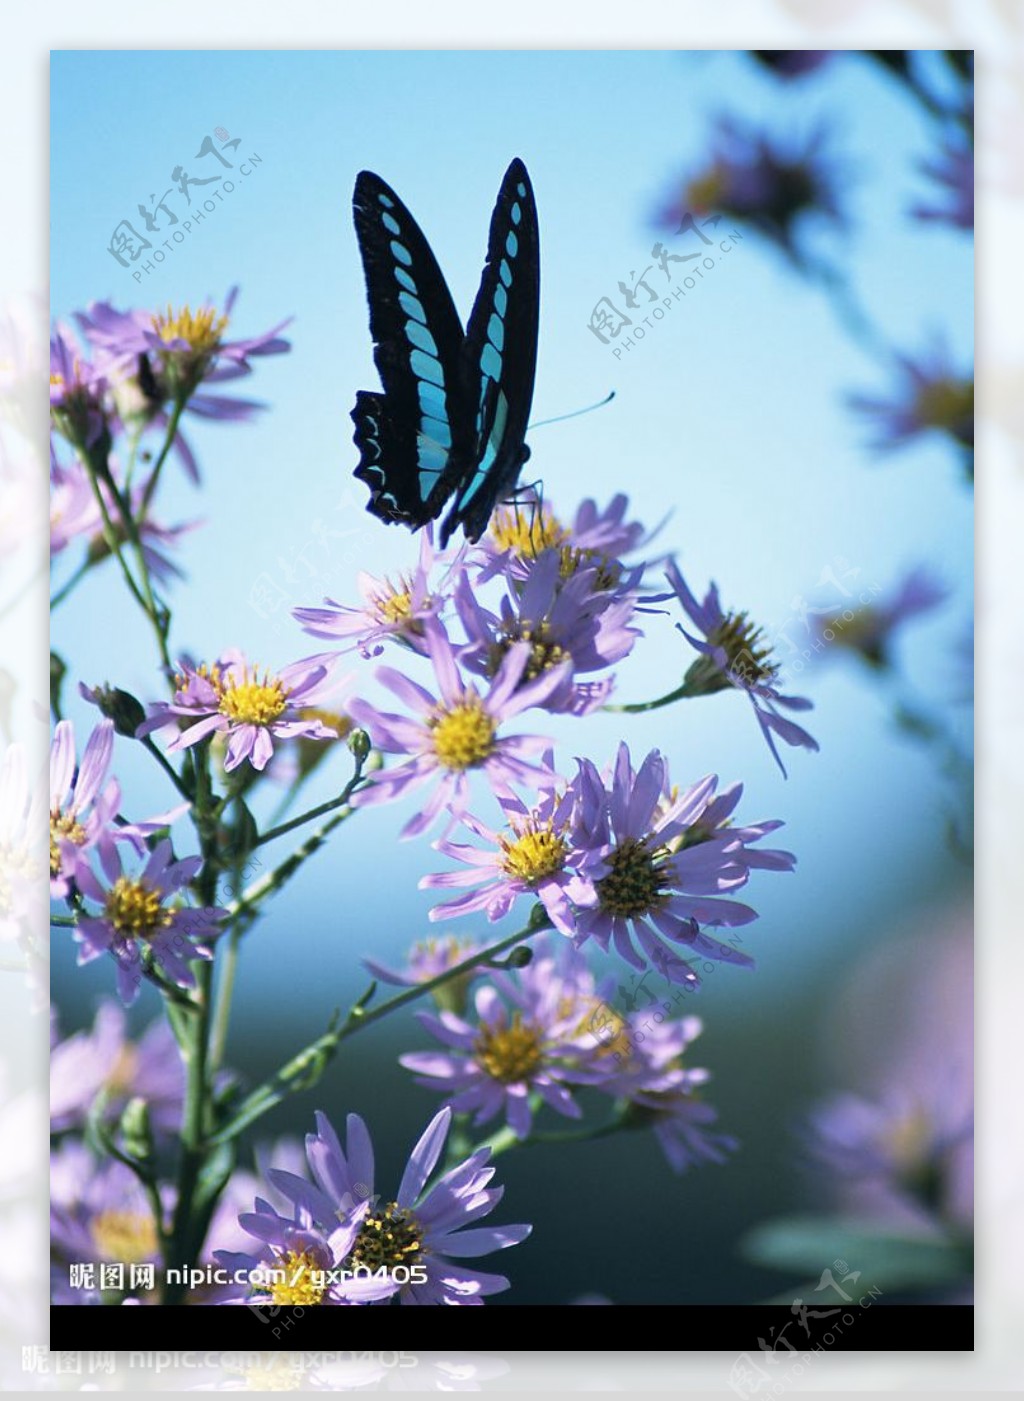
<point>225,1232</point>
<point>906,1153</point>
<point>538,855</point>
<point>658,887</point>
<point>563,619</point>
<point>529,1043</point>
<point>142,924</point>
<point>184,348</point>
<point>99,1214</point>
<point>733,654</point>
<point>77,390</point>
<point>952,171</point>
<point>777,189</point>
<point>518,534</point>
<point>428,960</point>
<point>869,631</point>
<point>657,1091</point>
<point>409,1246</point>
<point>390,610</point>
<point>105,1060</point>
<point>456,734</point>
<point>930,396</point>
<point>153,359</point>
<point>84,806</point>
<point>250,709</point>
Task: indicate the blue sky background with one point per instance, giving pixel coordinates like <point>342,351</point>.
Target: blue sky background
<point>730,415</point>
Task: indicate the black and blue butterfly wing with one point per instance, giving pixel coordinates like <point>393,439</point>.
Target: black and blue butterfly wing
<point>414,438</point>
<point>499,357</point>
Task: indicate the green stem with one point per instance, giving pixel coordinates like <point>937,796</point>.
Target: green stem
<point>244,910</point>
<point>167,766</point>
<point>222,1008</point>
<point>680,693</point>
<point>849,311</point>
<point>504,1139</point>
<point>157,615</point>
<point>192,1029</point>
<point>75,579</point>
<point>133,456</point>
<point>113,543</point>
<point>172,429</point>
<point>359,1018</point>
<point>304,1069</point>
<point>303,818</point>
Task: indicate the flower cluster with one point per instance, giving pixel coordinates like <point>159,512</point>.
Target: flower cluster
<point>538,1036</point>
<point>495,651</point>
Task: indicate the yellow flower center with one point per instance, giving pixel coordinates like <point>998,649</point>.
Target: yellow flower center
<point>447,949</point>
<point>298,1286</point>
<point>535,854</point>
<point>393,603</point>
<point>510,1053</point>
<point>394,607</point>
<point>604,1025</point>
<point>250,701</point>
<point>128,1237</point>
<point>133,907</point>
<point>526,532</point>
<point>572,560</point>
<point>207,671</point>
<point>122,1072</point>
<point>63,825</point>
<point>635,884</point>
<point>391,1237</point>
<point>909,1140</point>
<point>945,403</point>
<point>544,651</point>
<point>202,329</point>
<point>463,735</point>
<point>747,656</point>
<point>705,191</point>
<point>333,719</point>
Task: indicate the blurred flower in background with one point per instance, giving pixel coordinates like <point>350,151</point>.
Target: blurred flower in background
<point>930,396</point>
<point>105,1060</point>
<point>786,189</point>
<point>951,172</point>
<point>792,63</point>
<point>892,1150</point>
<point>870,630</point>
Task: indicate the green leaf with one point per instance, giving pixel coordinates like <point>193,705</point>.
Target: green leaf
<point>808,1245</point>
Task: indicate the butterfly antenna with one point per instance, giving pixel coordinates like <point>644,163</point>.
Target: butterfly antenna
<point>575,413</point>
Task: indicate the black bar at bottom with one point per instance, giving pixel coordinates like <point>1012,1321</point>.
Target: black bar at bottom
<point>770,1333</point>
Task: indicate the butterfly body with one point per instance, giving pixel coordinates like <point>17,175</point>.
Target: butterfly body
<point>448,428</point>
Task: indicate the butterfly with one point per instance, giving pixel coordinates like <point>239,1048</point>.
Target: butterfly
<point>449,427</point>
